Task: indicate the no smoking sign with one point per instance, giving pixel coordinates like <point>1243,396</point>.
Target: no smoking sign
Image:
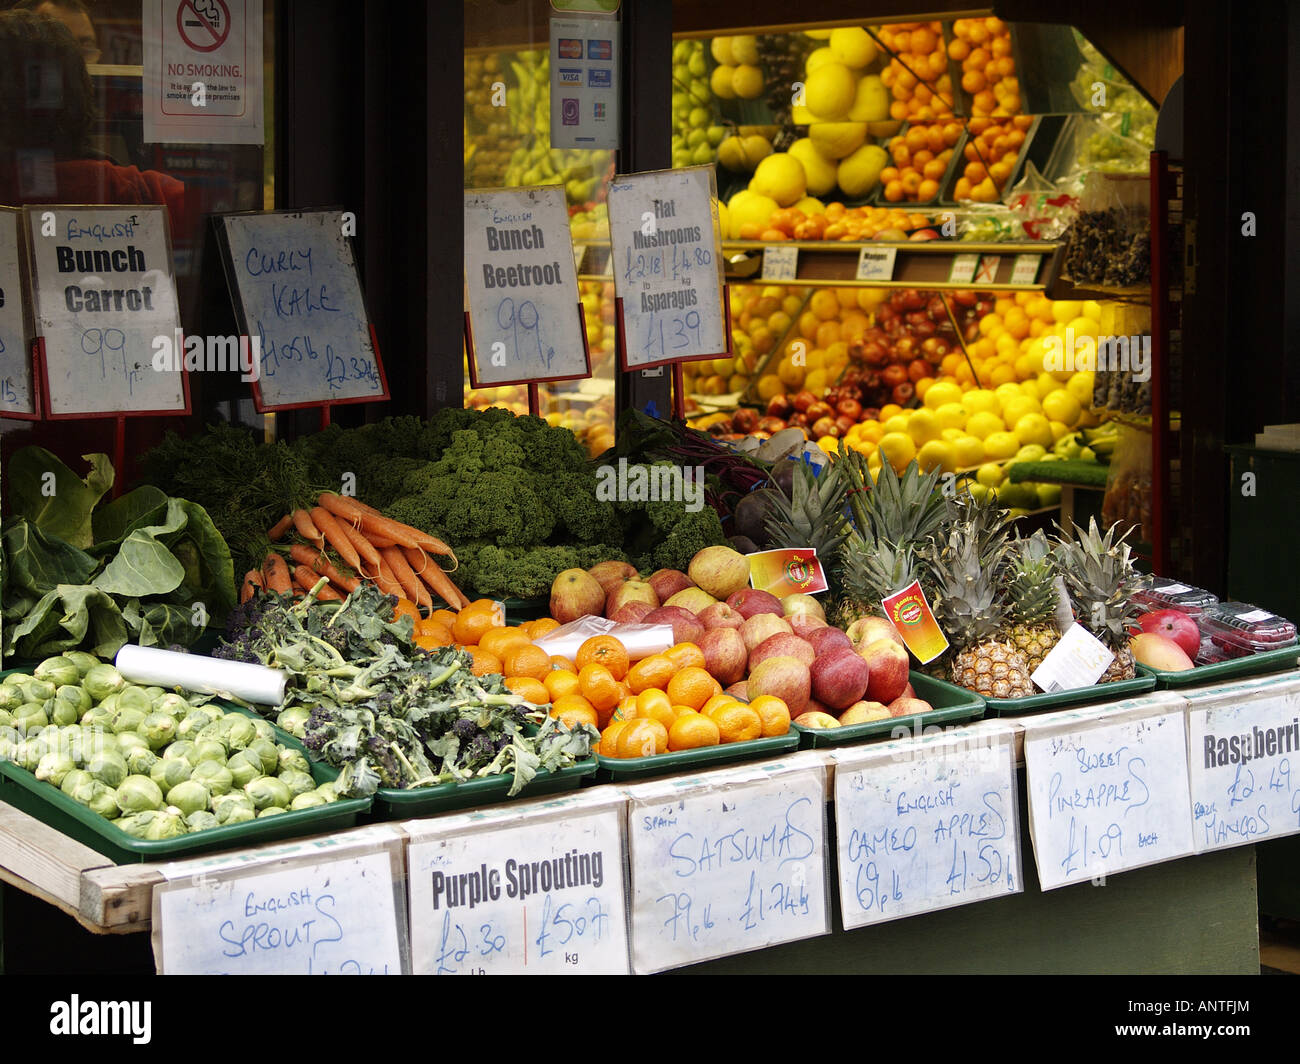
<point>203,24</point>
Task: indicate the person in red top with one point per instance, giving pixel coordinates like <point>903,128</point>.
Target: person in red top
<point>47,110</point>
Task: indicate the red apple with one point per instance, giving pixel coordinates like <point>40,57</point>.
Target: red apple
<point>798,605</point>
<point>631,613</point>
<point>667,582</point>
<point>629,591</point>
<point>782,645</point>
<point>610,574</point>
<point>575,593</point>
<point>907,707</point>
<point>1175,625</point>
<point>868,629</point>
<point>725,655</point>
<point>686,629</point>
<point>826,639</point>
<point>750,601</point>
<point>694,599</point>
<point>758,627</point>
<point>719,615</point>
<point>787,678</point>
<point>815,719</point>
<point>739,689</point>
<point>805,626</point>
<point>888,663</point>
<point>839,678</point>
<point>864,713</point>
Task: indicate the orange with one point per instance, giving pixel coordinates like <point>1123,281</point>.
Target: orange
<point>655,704</point>
<point>444,617</point>
<point>560,682</point>
<point>531,689</point>
<point>692,686</point>
<point>406,608</point>
<point>567,702</point>
<point>717,700</point>
<point>524,659</point>
<point>559,661</point>
<point>609,738</point>
<point>498,640</point>
<point>538,628</point>
<point>737,723</point>
<point>472,624</point>
<point>484,663</point>
<point>654,671</point>
<point>598,686</point>
<point>604,650</point>
<point>684,655</point>
<point>574,715</point>
<point>642,737</point>
<point>692,730</point>
<point>433,640</point>
<point>773,714</point>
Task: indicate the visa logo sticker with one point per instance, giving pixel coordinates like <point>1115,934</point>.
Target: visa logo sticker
<point>570,76</point>
<point>599,79</point>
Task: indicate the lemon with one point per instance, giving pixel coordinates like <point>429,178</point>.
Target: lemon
<point>1092,309</point>
<point>1082,326</point>
<point>835,140</point>
<point>1033,428</point>
<point>923,426</point>
<point>720,82</point>
<point>1059,428</point>
<point>898,448</point>
<point>936,454</point>
<point>979,400</point>
<point>749,208</point>
<point>747,81</point>
<point>1048,495</point>
<point>810,205</point>
<point>982,424</point>
<point>897,423</point>
<point>859,171</point>
<point>1064,310</point>
<point>721,49</point>
<point>780,177</point>
<point>853,46</point>
<point>1080,386</point>
<point>818,57</point>
<point>951,415</point>
<point>951,435</point>
<point>819,171</point>
<point>1062,406</point>
<point>989,474</point>
<point>1031,452</point>
<point>744,49</point>
<point>941,393</point>
<point>830,91</point>
<point>1007,390</point>
<point>1000,445</point>
<point>968,451</point>
<point>1017,406</point>
<point>979,492</point>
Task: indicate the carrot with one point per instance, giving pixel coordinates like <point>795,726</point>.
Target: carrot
<point>251,585</point>
<point>415,590</point>
<point>439,583</point>
<point>368,551</point>
<point>276,574</point>
<point>377,524</point>
<point>303,523</point>
<point>387,582</point>
<point>279,529</point>
<point>319,563</point>
<point>380,542</point>
<point>307,579</point>
<point>333,531</point>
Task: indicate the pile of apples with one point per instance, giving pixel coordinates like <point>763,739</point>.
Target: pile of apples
<point>753,642</point>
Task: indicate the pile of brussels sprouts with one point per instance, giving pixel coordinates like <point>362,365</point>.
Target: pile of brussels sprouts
<point>149,760</point>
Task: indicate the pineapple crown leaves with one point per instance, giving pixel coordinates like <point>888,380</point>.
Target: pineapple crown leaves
<point>1102,580</point>
<point>874,570</point>
<point>814,515</point>
<point>967,599</point>
<point>1031,580</point>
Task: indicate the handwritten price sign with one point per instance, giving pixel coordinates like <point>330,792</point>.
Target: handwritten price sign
<point>726,863</point>
<point>17,397</point>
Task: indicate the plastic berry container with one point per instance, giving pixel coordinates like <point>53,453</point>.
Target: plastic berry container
<point>1237,629</point>
<point>1166,594</point>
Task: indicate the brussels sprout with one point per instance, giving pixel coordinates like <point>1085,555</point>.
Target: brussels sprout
<point>168,824</point>
<point>234,808</point>
<point>210,750</point>
<point>137,793</point>
<point>132,697</point>
<point>292,760</point>
<point>6,718</point>
<point>75,779</point>
<point>135,824</point>
<point>127,741</point>
<point>269,754</point>
<point>31,715</point>
<point>159,729</point>
<point>168,772</point>
<point>102,680</point>
<point>294,720</point>
<point>182,749</point>
<point>98,797</point>
<point>76,695</point>
<point>245,766</point>
<point>9,744</point>
<point>11,697</point>
<point>39,690</point>
<point>271,810</point>
<point>264,730</point>
<point>240,731</point>
<point>195,721</point>
<point>201,820</point>
<point>173,705</point>
<point>53,767</point>
<point>108,767</point>
<point>189,797</point>
<point>57,670</point>
<point>154,692</point>
<point>127,719</point>
<point>98,716</point>
<point>329,790</point>
<point>307,801</point>
<point>267,790</point>
<point>216,731</point>
<point>213,775</point>
<point>109,705</point>
<point>297,782</point>
<point>61,712</point>
<point>83,661</point>
<point>140,761</point>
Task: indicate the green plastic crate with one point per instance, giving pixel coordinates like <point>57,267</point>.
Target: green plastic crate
<point>1250,665</point>
<point>20,789</point>
<point>626,769</point>
<point>1042,703</point>
<point>392,804</point>
<point>952,705</point>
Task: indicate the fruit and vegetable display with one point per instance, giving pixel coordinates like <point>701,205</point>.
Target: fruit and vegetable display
<point>1185,626</point>
<point>81,571</point>
<point>155,763</point>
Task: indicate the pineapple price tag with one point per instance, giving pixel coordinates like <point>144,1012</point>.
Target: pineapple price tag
<point>667,263</point>
<point>17,397</point>
<point>780,263</point>
<point>962,270</point>
<point>1244,760</point>
<point>1107,795</point>
<point>876,264</point>
<point>727,862</point>
<point>1078,660</point>
<point>518,890</point>
<point>925,824</point>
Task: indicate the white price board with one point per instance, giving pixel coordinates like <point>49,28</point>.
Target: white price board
<point>780,263</point>
<point>104,297</point>
<point>521,281</point>
<point>1244,758</point>
<point>533,889</point>
<point>667,265</point>
<point>297,294</point>
<point>330,906</point>
<point>987,271</point>
<point>1024,270</point>
<point>17,394</point>
<point>876,264</point>
<point>1108,794</point>
<point>727,862</point>
<point>925,824</point>
<point>962,270</point>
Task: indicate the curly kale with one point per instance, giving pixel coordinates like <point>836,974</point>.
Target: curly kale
<point>523,572</point>
<point>667,533</point>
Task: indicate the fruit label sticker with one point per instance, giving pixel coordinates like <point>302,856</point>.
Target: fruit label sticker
<point>525,315</point>
<point>962,270</point>
<point>780,263</point>
<point>1078,660</point>
<point>911,615</point>
<point>924,824</point>
<point>788,571</point>
<point>328,906</point>
<point>522,889</point>
<point>876,264</point>
<point>17,396</point>
<point>728,862</point>
<point>987,272</point>
<point>1244,760</point>
<point>1107,795</point>
<point>1025,269</point>
<point>667,264</point>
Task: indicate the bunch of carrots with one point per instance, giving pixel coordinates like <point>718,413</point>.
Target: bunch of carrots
<point>397,557</point>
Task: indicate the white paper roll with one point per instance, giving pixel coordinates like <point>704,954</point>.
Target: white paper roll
<point>196,672</point>
<point>641,640</point>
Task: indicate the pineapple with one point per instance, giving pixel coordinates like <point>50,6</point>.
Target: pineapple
<point>872,571</point>
<point>1102,582</point>
<point>971,613</point>
<point>813,516</point>
<point>1031,591</point>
